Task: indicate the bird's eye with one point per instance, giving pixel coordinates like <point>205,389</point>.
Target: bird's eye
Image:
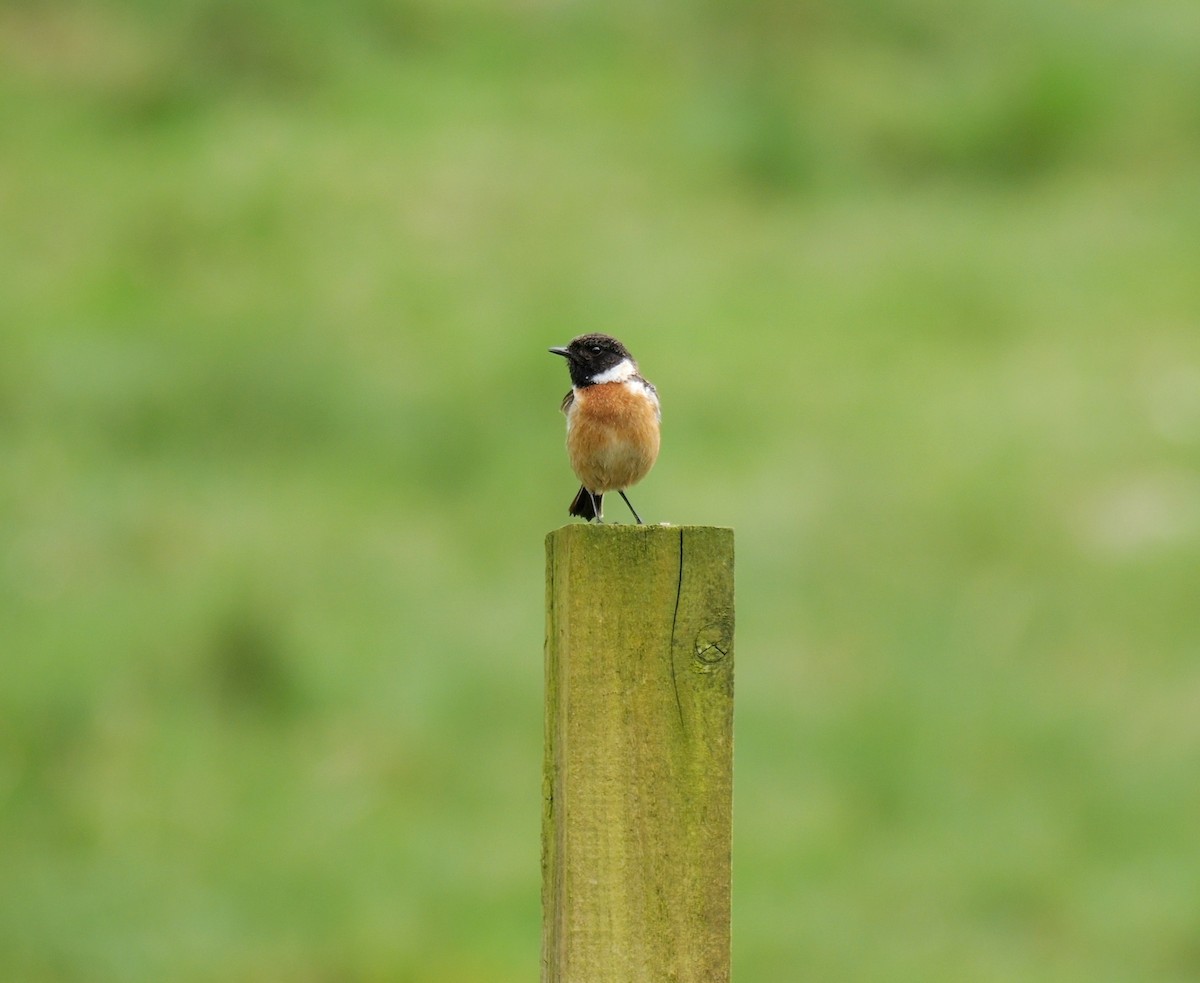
<point>596,349</point>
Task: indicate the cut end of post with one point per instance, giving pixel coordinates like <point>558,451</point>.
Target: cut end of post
<point>592,532</point>
<point>632,527</point>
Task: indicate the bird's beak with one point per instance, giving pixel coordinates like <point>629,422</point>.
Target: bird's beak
<point>560,351</point>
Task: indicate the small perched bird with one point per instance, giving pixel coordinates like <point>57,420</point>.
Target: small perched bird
<point>612,422</point>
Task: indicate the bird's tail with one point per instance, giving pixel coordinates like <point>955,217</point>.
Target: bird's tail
<point>587,506</point>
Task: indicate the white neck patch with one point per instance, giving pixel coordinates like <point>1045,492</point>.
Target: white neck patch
<point>621,372</point>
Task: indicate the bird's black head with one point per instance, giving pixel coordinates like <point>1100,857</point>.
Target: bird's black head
<point>591,357</point>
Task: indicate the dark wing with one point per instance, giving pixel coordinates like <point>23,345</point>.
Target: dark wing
<point>652,391</point>
<point>567,400</point>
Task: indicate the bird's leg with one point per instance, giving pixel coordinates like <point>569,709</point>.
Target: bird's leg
<point>596,507</point>
<point>632,509</point>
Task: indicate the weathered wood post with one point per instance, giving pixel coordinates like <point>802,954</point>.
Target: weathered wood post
<point>638,772</point>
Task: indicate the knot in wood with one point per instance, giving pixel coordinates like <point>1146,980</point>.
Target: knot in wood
<point>713,644</point>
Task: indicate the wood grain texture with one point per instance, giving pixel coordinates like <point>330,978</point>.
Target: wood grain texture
<point>637,777</point>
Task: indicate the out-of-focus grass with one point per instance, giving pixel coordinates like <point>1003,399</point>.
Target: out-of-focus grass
<point>280,443</point>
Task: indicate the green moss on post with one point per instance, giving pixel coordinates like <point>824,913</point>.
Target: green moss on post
<point>637,778</point>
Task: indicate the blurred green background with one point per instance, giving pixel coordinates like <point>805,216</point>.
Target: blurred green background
<point>280,441</point>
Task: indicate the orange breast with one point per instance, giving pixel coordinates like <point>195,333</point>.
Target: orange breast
<point>612,436</point>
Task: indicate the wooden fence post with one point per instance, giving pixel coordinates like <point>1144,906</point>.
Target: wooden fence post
<point>638,772</point>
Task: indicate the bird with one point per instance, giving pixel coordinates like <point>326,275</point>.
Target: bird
<point>613,417</point>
